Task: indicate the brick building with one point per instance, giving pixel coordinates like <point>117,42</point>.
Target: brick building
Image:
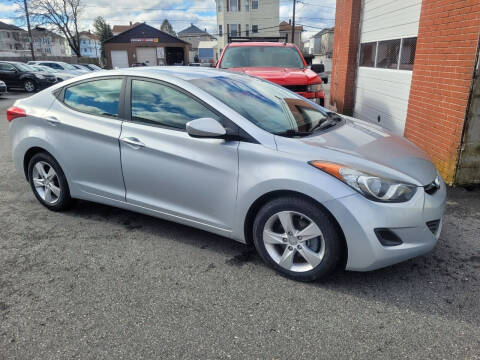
<point>412,66</point>
<point>143,43</point>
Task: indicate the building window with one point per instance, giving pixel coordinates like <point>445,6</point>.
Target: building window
<point>233,29</point>
<point>219,5</point>
<point>247,5</point>
<point>367,54</point>
<point>220,30</point>
<point>408,53</point>
<point>254,4</point>
<point>247,30</point>
<point>233,5</point>
<point>389,54</point>
<point>254,27</point>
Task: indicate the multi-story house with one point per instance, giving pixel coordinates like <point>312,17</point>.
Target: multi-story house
<point>254,18</point>
<point>285,30</point>
<point>193,35</point>
<point>48,43</point>
<point>13,40</point>
<point>90,45</point>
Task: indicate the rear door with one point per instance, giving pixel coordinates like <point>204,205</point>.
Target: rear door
<point>167,170</point>
<point>86,125</point>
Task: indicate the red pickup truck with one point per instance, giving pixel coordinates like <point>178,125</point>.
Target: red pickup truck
<point>280,63</point>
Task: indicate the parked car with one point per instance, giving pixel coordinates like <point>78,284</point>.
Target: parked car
<point>21,76</point>
<point>3,88</point>
<point>237,156</point>
<point>281,63</point>
<point>60,75</point>
<point>92,67</point>
<point>60,65</point>
<point>81,67</point>
<point>138,64</point>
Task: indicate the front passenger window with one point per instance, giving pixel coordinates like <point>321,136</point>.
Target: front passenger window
<point>98,97</point>
<point>158,104</point>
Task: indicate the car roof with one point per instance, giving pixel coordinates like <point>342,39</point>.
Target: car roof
<point>181,72</point>
<point>260,43</point>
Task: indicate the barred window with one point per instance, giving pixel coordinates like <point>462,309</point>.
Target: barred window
<point>408,53</point>
<point>387,54</point>
<point>367,54</point>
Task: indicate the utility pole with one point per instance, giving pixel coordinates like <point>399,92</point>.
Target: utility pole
<point>293,21</point>
<point>29,29</point>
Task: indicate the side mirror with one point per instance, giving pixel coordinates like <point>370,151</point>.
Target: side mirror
<point>205,128</point>
<point>318,68</point>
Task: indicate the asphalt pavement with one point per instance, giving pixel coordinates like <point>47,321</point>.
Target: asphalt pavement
<point>102,283</point>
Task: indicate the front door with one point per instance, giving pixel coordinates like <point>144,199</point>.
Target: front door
<point>167,170</point>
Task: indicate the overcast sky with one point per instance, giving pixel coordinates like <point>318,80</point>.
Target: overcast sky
<point>313,14</point>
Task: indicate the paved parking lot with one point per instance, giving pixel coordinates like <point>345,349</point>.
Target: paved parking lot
<point>97,282</point>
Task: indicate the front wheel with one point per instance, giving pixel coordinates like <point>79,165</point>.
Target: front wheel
<point>297,238</point>
<point>29,86</point>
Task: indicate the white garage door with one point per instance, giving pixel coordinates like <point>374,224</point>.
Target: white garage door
<point>119,59</point>
<point>388,39</point>
<point>147,55</point>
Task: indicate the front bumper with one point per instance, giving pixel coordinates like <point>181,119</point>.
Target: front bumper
<point>44,83</point>
<point>358,217</point>
<point>312,95</point>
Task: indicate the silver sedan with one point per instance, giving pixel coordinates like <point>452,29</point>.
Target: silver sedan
<point>234,155</point>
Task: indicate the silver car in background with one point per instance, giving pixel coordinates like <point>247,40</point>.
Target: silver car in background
<point>234,155</point>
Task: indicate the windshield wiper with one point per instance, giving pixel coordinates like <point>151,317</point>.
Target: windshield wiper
<point>292,133</point>
<point>331,120</point>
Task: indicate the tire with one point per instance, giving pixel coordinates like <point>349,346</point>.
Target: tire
<point>324,250</point>
<point>56,194</point>
<point>29,86</point>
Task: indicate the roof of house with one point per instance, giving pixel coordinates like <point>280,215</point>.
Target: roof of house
<point>286,26</point>
<point>192,29</point>
<point>40,31</point>
<point>88,34</point>
<point>143,30</point>
<point>122,28</point>
<point>324,31</point>
<point>5,26</point>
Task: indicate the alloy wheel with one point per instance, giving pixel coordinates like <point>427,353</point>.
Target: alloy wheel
<point>29,86</point>
<point>46,182</point>
<point>294,241</point>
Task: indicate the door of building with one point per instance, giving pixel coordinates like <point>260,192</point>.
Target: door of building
<point>119,59</point>
<point>147,55</point>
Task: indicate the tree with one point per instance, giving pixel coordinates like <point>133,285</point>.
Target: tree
<point>103,31</point>
<point>63,15</point>
<point>167,27</point>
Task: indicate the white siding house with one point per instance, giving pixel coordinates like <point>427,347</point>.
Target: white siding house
<point>388,32</point>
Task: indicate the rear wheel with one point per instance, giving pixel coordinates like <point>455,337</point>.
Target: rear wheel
<point>48,182</point>
<point>29,86</point>
<point>297,238</point>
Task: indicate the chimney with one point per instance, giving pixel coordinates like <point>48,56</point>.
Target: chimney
<point>205,29</point>
<point>289,21</point>
<point>130,23</point>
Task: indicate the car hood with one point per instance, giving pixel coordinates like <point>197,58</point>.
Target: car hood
<point>282,76</point>
<point>366,147</point>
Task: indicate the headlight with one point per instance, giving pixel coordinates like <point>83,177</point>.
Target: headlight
<point>315,88</point>
<point>373,187</point>
<point>39,76</point>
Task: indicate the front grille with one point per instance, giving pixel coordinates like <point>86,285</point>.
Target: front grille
<point>433,225</point>
<point>296,88</point>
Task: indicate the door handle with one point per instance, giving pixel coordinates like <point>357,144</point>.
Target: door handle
<point>133,142</point>
<point>52,120</point>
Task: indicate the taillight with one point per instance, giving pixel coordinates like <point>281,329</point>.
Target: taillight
<point>15,112</point>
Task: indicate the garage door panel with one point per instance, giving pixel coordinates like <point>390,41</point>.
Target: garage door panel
<point>119,59</point>
<point>377,8</point>
<point>384,103</point>
<point>147,55</point>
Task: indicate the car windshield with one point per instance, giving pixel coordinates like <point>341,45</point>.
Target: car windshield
<point>68,66</point>
<point>24,67</point>
<point>46,68</point>
<point>93,66</point>
<point>261,56</point>
<point>270,107</point>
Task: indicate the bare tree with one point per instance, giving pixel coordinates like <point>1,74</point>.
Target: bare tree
<point>63,15</point>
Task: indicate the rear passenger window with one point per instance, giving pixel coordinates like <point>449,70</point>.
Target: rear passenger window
<point>157,104</point>
<point>98,97</point>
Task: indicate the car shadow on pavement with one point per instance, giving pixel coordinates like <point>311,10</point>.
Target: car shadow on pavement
<point>444,282</point>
